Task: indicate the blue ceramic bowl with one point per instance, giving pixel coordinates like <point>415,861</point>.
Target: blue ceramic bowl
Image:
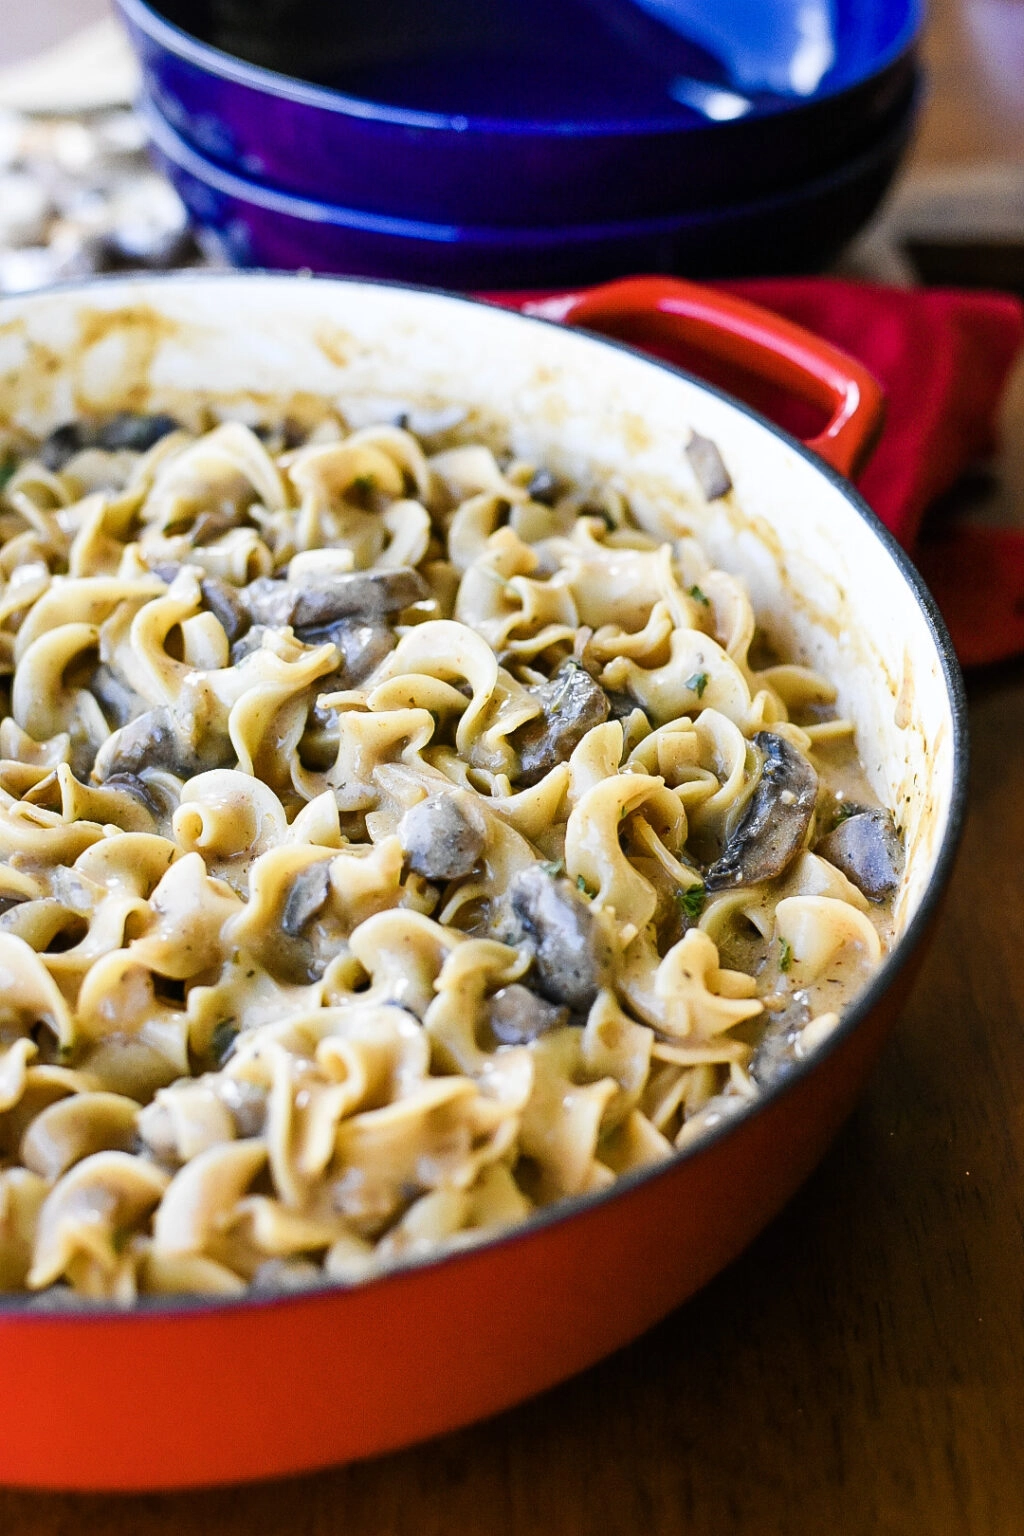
<point>597,123</point>
<point>799,230</point>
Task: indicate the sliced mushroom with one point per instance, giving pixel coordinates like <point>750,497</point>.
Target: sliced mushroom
<point>63,443</point>
<point>443,837</point>
<point>776,1053</point>
<point>222,600</point>
<point>571,705</point>
<point>210,525</point>
<point>706,463</point>
<point>621,705</point>
<point>773,827</point>
<point>867,850</point>
<point>136,430</point>
<point>138,789</point>
<point>362,646</point>
<point>364,595</point>
<point>517,1015</point>
<point>543,487</point>
<point>118,702</point>
<point>152,740</point>
<point>568,955</point>
<point>128,429</point>
<point>251,641</point>
<point>306,897</point>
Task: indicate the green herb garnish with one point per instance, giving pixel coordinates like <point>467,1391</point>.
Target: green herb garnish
<point>554,868</point>
<point>843,813</point>
<point>697,683</point>
<point>691,901</point>
<point>785,954</point>
<point>581,885</point>
<point>698,596</point>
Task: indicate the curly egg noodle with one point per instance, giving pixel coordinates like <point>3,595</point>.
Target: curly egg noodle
<point>392,843</point>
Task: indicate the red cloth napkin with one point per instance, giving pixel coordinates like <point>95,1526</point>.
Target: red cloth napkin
<point>943,357</point>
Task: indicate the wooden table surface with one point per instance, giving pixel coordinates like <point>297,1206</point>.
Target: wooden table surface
<point>861,1369</point>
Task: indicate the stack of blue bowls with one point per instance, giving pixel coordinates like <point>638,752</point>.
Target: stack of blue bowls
<point>517,144</point>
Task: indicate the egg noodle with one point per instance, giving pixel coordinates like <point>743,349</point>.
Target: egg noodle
<point>391,844</point>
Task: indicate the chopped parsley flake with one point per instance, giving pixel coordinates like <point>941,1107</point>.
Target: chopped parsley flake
<point>697,683</point>
<point>843,813</point>
<point>555,868</point>
<point>698,596</point>
<point>691,901</point>
<point>581,885</point>
<point>785,954</point>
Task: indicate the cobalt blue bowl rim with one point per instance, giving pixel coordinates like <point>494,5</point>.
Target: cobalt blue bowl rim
<point>256,77</point>
<point>171,146</point>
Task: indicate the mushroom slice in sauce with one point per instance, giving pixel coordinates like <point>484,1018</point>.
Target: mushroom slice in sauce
<point>773,827</point>
<point>119,703</point>
<point>210,525</point>
<point>222,600</point>
<point>558,924</point>
<point>443,837</point>
<point>251,641</point>
<point>572,704</point>
<point>776,1053</point>
<point>865,847</point>
<point>364,595</point>
<point>138,789</point>
<point>517,1015</point>
<point>128,429</point>
<point>135,430</point>
<point>306,897</point>
<point>361,644</point>
<point>543,487</point>
<point>706,463</point>
<point>151,740</point>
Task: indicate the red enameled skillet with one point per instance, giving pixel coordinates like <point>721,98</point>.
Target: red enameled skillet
<point>190,1392</point>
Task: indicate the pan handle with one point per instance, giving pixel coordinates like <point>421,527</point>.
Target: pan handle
<point>667,309</point>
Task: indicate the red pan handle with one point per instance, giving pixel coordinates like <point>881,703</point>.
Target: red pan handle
<point>742,334</point>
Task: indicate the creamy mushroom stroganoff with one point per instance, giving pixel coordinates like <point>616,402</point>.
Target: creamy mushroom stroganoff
<point>394,840</point>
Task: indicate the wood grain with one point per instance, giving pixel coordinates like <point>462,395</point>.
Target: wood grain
<point>860,1370</point>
